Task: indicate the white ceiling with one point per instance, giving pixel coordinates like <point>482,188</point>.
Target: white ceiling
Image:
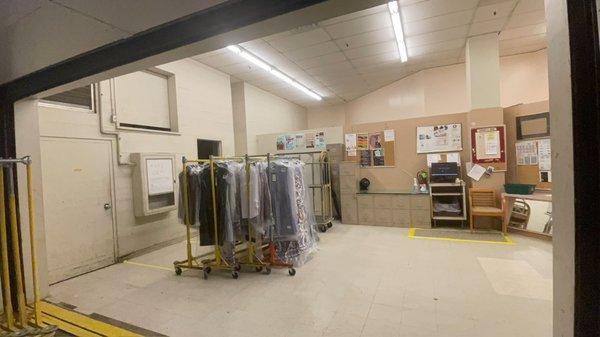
<point>348,56</point>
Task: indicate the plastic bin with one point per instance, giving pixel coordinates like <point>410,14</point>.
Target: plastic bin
<point>519,188</point>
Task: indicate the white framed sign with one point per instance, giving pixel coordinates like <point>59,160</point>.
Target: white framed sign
<point>439,138</point>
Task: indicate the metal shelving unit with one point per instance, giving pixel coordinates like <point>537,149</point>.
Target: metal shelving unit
<point>447,191</point>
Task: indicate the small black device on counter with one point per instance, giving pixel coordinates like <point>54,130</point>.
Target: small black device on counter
<point>444,172</point>
<point>364,184</point>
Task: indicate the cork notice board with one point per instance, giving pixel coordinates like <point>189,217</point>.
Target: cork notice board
<point>374,157</point>
<point>488,146</point>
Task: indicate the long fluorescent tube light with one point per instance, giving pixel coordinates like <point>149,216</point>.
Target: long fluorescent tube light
<point>273,71</point>
<point>394,8</point>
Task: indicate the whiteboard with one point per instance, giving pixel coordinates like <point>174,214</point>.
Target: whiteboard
<point>439,138</point>
<point>160,176</point>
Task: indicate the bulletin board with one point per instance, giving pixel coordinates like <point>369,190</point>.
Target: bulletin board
<point>439,138</point>
<point>533,161</point>
<point>488,146</point>
<point>376,149</point>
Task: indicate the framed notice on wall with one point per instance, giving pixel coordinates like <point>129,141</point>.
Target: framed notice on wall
<point>488,146</point>
<point>439,138</point>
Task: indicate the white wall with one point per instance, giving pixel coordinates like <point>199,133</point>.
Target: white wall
<point>266,113</point>
<point>205,111</point>
<point>268,143</point>
<point>439,91</point>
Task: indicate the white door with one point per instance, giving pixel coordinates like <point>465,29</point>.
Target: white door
<point>77,206</point>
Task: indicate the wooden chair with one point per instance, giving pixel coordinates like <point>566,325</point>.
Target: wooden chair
<point>482,202</point>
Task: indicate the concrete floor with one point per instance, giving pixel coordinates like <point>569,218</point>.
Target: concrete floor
<point>364,281</point>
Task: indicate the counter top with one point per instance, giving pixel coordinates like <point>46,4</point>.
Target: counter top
<point>397,192</point>
<point>539,196</point>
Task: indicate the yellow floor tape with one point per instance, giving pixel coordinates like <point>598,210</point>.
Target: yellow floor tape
<point>148,265</point>
<point>412,235</point>
<point>78,324</point>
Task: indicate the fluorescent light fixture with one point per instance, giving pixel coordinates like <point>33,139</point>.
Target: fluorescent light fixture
<point>394,8</point>
<point>274,71</point>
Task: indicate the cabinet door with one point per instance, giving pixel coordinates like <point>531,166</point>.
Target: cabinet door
<point>401,201</point>
<point>365,216</point>
<point>349,207</point>
<point>382,202</point>
<point>420,202</point>
<point>365,201</point>
<point>401,218</point>
<point>420,218</point>
<point>347,184</point>
<point>383,217</point>
<point>348,169</point>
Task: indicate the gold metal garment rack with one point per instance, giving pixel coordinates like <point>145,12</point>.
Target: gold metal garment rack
<point>27,319</point>
<point>191,262</point>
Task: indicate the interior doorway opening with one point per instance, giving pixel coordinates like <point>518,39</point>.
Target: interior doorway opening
<point>207,148</point>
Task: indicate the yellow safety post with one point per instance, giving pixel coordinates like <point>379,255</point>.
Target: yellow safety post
<point>8,310</point>
<point>186,215</point>
<point>22,318</point>
<point>33,244</point>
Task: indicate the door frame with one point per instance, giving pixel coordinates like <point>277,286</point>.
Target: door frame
<point>112,184</point>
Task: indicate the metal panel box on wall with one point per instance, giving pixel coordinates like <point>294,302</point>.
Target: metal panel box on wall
<point>154,183</point>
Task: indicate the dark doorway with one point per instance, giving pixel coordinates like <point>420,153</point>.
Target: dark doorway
<point>207,148</point>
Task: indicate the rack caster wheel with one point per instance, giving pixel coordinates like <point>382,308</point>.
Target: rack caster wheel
<point>268,271</point>
<point>207,270</point>
<point>235,275</point>
<point>205,274</point>
<point>237,267</point>
<point>323,228</point>
<point>292,271</point>
<point>329,225</point>
<point>258,269</point>
<point>178,271</point>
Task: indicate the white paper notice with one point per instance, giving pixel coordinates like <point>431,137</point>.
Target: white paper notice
<point>433,158</point>
<point>389,135</point>
<point>545,154</point>
<point>351,153</point>
<point>350,141</point>
<point>492,142</point>
<point>527,153</point>
<point>476,172</point>
<point>453,157</point>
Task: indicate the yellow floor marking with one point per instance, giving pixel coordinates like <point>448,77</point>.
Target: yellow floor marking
<point>79,324</point>
<point>412,235</point>
<point>148,265</point>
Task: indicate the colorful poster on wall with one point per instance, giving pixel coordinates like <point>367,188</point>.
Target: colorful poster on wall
<point>320,141</point>
<point>310,140</point>
<point>439,138</point>
<point>280,143</point>
<point>365,158</point>
<point>362,141</point>
<point>544,154</point>
<point>527,153</point>
<point>378,157</point>
<point>375,141</point>
<point>290,142</point>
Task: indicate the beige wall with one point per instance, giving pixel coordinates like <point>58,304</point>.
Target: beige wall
<point>266,113</point>
<point>439,91</point>
<point>268,143</point>
<point>205,111</point>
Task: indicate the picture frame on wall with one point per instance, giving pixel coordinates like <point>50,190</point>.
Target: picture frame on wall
<point>533,126</point>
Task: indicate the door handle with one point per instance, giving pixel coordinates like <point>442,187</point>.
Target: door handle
<point>107,206</point>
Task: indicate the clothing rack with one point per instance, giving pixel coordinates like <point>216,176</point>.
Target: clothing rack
<point>320,185</point>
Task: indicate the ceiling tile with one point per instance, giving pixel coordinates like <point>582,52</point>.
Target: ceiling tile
<point>338,68</point>
<point>334,79</point>
<point>322,60</point>
<point>359,25</point>
<point>485,27</point>
<point>526,19</point>
<point>438,23</point>
<point>376,36</point>
<point>438,36</point>
<point>436,47</point>
<point>431,8</point>
<point>522,49</point>
<point>523,41</point>
<point>494,11</point>
<point>529,6</point>
<point>508,34</point>
<point>313,51</point>
<point>374,49</point>
<point>300,40</point>
<point>369,61</point>
<point>218,60</point>
<point>238,68</point>
<point>355,15</point>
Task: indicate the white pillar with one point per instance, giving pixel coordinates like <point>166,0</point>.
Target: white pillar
<point>483,71</point>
